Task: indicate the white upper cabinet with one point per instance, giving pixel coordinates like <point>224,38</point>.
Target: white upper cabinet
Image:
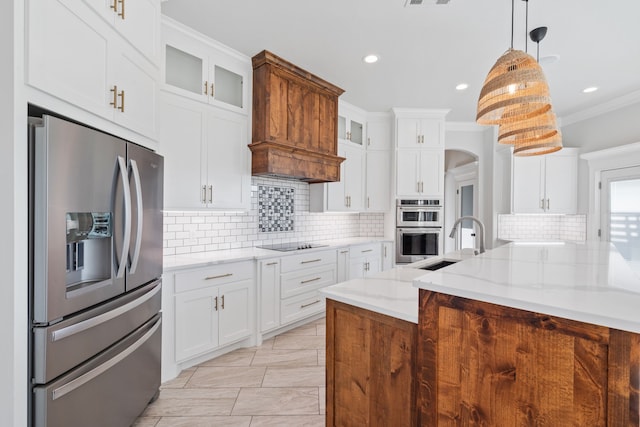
<point>378,167</point>
<point>379,157</point>
<point>74,55</point>
<point>138,21</point>
<point>346,195</point>
<point>418,133</point>
<point>419,152</point>
<point>546,184</point>
<point>351,124</point>
<point>204,70</point>
<point>207,163</point>
<point>379,135</point>
<point>420,173</point>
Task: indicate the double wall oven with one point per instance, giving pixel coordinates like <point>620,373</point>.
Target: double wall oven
<point>418,229</point>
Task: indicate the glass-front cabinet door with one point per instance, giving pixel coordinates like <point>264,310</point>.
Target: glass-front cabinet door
<point>350,130</point>
<point>204,72</point>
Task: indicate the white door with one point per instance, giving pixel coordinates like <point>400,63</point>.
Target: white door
<point>467,205</point>
<point>234,313</point>
<point>620,212</point>
<point>432,172</point>
<point>196,322</point>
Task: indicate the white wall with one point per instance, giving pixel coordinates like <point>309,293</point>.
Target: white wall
<point>13,217</point>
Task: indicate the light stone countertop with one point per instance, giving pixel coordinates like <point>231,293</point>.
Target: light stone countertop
<point>390,292</point>
<point>203,259</point>
<point>588,282</point>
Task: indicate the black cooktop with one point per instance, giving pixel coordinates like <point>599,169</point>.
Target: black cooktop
<point>295,246</point>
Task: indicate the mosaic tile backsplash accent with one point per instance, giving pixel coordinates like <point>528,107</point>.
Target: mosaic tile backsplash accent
<point>208,230</point>
<point>543,227</point>
<point>275,208</point>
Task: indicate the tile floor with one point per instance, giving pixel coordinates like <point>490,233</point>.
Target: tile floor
<point>280,383</point>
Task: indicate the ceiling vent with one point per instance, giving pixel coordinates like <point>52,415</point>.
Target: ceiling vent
<point>424,2</point>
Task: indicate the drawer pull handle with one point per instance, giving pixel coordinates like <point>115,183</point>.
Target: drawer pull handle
<point>368,250</point>
<point>272,263</point>
<point>215,306</point>
<point>313,260</point>
<point>218,277</point>
<point>223,302</point>
<point>311,303</point>
<point>310,280</point>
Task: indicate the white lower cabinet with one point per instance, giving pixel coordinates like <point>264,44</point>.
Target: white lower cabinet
<point>269,294</point>
<point>288,287</point>
<point>213,308</point>
<point>343,265</point>
<point>364,260</point>
<point>387,256</point>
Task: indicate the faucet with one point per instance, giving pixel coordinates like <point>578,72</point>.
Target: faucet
<point>480,226</point>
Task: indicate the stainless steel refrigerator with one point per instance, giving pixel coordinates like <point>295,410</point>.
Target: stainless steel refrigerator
<point>95,266</point>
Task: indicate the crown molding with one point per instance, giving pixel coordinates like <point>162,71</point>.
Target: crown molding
<point>606,107</point>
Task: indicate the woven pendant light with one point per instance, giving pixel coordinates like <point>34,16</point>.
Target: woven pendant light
<point>540,137</point>
<point>515,89</point>
<point>537,127</point>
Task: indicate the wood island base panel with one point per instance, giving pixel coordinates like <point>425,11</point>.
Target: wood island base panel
<point>481,364</point>
<point>371,360</point>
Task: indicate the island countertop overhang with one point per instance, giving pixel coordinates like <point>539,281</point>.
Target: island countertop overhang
<point>588,282</point>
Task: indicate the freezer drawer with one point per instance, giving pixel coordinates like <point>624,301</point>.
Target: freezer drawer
<point>61,347</point>
<point>110,390</point>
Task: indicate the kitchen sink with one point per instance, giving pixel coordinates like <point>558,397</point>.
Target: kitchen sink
<point>437,265</point>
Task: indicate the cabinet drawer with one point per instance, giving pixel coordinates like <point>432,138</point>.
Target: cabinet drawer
<point>301,306</point>
<point>307,260</point>
<point>216,275</point>
<point>368,250</point>
<point>307,280</point>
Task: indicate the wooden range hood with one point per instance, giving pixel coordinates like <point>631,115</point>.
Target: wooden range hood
<point>295,117</point>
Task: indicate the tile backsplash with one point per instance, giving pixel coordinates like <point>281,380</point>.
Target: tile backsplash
<point>199,231</point>
<point>543,227</point>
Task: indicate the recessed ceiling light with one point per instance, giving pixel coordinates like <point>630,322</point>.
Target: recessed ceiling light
<point>370,59</point>
<point>462,86</point>
<point>589,89</point>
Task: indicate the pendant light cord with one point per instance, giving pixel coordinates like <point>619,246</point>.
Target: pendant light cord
<point>512,19</point>
<point>526,28</point>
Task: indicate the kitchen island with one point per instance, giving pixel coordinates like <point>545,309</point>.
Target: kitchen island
<point>525,334</point>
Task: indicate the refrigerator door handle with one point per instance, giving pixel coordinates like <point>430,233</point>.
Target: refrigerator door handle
<point>140,216</point>
<point>121,267</point>
<point>85,378</point>
<point>102,318</point>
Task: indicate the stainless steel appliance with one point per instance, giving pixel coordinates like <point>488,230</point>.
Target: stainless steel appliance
<point>419,213</point>
<point>418,229</point>
<point>95,266</point>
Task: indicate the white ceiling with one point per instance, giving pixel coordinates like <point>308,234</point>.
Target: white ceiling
<point>427,50</point>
